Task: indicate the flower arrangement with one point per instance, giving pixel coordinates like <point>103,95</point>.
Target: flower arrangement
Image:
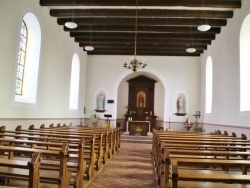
<point>138,130</point>
<point>105,125</point>
<point>94,116</point>
<point>170,129</point>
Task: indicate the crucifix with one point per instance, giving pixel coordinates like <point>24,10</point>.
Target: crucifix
<point>197,115</point>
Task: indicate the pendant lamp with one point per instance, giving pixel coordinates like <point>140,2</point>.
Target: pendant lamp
<point>191,49</point>
<point>71,24</point>
<point>204,27</point>
<point>89,47</point>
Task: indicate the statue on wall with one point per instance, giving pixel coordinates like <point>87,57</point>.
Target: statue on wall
<point>100,101</point>
<point>181,104</point>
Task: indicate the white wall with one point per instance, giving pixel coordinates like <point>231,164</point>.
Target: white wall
<point>57,50</point>
<point>174,74</point>
<point>226,78</point>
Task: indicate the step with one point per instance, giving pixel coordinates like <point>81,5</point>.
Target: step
<point>136,139</point>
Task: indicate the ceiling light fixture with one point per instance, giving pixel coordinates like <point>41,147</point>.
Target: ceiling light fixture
<point>89,48</point>
<point>71,24</point>
<point>135,64</point>
<point>191,49</point>
<point>204,27</point>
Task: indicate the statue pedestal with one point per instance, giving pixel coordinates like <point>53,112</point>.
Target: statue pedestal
<point>180,114</point>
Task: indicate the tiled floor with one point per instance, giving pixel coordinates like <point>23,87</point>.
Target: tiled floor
<point>132,167</point>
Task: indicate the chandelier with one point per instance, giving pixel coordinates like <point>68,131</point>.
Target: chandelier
<point>135,64</point>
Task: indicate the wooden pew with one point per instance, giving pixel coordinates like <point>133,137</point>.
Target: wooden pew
<point>8,170</point>
<point>98,146</point>
<point>77,163</point>
<point>199,147</point>
<point>179,141</point>
<point>110,144</point>
<point>89,147</point>
<point>62,178</point>
<point>80,129</point>
<point>196,155</point>
<point>60,133</point>
<point>178,175</point>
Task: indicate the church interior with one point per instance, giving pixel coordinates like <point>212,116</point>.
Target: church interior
<point>140,68</point>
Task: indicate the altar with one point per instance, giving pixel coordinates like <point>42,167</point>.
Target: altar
<point>132,125</point>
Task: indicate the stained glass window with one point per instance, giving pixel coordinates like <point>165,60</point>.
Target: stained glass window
<point>21,59</point>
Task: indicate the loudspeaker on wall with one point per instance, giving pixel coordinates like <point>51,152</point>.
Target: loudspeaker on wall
<point>110,101</point>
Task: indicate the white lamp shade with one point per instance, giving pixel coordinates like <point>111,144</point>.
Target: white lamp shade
<point>190,50</point>
<point>71,25</point>
<point>204,27</point>
<point>89,48</point>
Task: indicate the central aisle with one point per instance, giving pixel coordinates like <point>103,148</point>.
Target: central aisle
<point>131,167</point>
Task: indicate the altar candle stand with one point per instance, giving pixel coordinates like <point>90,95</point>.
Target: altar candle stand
<point>129,119</point>
<point>169,126</point>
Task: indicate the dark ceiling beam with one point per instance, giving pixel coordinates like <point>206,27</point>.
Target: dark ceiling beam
<point>144,21</point>
<point>149,48</point>
<point>142,41</point>
<point>146,13</point>
<point>145,54</point>
<point>155,47</point>
<point>145,29</point>
<point>147,51</point>
<point>183,3</point>
<point>200,36</point>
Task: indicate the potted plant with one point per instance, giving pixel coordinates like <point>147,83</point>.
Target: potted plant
<point>198,129</point>
<point>94,119</point>
<point>138,131</point>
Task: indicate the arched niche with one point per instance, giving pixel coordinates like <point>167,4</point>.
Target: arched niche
<point>180,104</point>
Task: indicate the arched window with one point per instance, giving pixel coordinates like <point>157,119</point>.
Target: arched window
<point>21,59</point>
<point>74,83</point>
<point>209,85</point>
<point>28,60</point>
<point>245,65</point>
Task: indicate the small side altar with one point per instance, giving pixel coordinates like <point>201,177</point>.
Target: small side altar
<point>143,125</point>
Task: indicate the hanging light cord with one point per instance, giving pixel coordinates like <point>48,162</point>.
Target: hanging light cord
<point>204,12</point>
<point>135,27</point>
<point>192,36</point>
<point>73,11</point>
<point>90,35</point>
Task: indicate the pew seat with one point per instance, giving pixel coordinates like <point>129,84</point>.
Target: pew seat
<point>17,169</point>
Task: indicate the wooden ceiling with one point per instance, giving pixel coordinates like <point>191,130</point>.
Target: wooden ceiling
<point>164,27</point>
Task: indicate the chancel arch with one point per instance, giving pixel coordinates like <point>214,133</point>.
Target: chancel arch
<point>121,95</point>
